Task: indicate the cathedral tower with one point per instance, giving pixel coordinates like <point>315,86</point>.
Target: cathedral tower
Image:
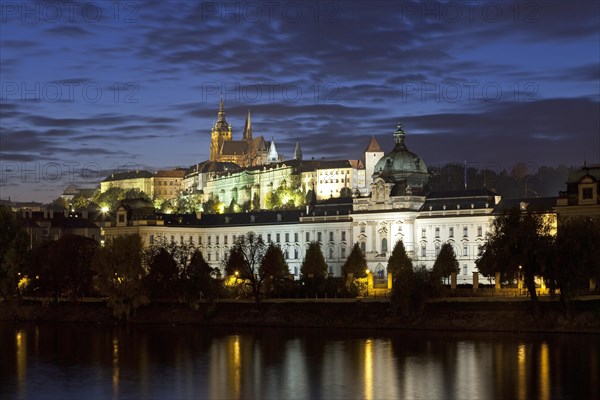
<point>221,132</point>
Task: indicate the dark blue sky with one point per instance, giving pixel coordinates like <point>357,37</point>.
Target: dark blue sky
<point>90,87</point>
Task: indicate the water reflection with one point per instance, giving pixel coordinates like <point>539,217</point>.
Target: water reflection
<point>82,361</point>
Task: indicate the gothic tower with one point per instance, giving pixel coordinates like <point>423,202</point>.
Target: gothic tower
<point>247,128</point>
<point>221,131</point>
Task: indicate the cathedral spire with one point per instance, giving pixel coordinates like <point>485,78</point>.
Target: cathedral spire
<point>248,128</point>
<point>221,115</point>
<point>297,152</point>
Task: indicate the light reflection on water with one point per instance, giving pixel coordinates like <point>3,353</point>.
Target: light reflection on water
<point>86,361</point>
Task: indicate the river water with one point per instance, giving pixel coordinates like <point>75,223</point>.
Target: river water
<point>79,361</point>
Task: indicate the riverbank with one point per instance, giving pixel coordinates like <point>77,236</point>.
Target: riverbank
<point>489,315</point>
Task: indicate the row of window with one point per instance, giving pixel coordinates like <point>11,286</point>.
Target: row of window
<point>165,183</point>
<point>269,238</point>
<point>465,250</point>
<point>451,232</point>
<point>334,181</point>
<point>164,192</point>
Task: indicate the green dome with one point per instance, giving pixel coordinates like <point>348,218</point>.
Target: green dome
<point>402,165</point>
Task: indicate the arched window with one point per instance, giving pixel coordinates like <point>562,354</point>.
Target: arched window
<point>384,245</point>
<point>363,247</point>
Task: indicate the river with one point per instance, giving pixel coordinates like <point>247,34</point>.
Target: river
<point>82,361</point>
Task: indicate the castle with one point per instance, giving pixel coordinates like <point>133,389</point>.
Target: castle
<point>248,152</point>
<point>373,202</point>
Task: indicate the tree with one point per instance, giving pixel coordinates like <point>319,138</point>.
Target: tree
<point>314,263</point>
<point>576,258</point>
<point>356,264</point>
<point>399,260</point>
<point>162,279</point>
<point>197,280</point>
<point>14,251</point>
<point>517,244</point>
<point>245,258</point>
<point>445,263</point>
<point>120,274</point>
<point>273,268</point>
<point>64,266</point>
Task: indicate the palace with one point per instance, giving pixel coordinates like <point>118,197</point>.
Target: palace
<point>374,202</point>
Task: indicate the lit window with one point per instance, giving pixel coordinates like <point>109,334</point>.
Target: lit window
<point>384,243</point>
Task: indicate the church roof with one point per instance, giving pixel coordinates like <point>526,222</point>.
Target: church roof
<point>257,144</point>
<point>234,147</point>
<point>401,164</point>
<point>373,146</point>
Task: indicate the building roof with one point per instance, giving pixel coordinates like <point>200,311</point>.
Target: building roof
<point>174,173</point>
<point>533,204</point>
<point>400,164</point>
<point>592,170</point>
<point>119,176</point>
<point>373,146</point>
<point>460,200</point>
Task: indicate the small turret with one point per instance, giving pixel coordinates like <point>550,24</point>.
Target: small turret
<point>297,152</point>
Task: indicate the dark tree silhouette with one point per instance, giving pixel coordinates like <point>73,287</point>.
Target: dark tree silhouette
<point>355,263</point>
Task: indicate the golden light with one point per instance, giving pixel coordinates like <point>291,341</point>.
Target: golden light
<point>367,271</point>
<point>104,209</point>
<point>236,273</point>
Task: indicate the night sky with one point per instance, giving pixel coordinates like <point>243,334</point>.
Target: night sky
<point>88,88</point>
